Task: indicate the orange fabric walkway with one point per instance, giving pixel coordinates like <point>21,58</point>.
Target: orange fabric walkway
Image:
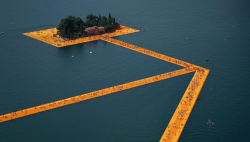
<point>180,117</point>
<point>90,95</point>
<point>147,52</point>
<point>183,110</point>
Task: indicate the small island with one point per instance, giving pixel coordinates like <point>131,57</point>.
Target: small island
<point>74,27</point>
<point>73,30</point>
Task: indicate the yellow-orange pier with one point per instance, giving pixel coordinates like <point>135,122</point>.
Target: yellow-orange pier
<point>183,110</point>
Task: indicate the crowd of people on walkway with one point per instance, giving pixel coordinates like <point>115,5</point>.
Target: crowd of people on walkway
<point>183,110</point>
<point>188,66</point>
<point>83,97</point>
<point>186,104</point>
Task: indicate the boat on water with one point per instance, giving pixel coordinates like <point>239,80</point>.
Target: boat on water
<point>72,56</point>
<point>1,33</point>
<point>90,52</point>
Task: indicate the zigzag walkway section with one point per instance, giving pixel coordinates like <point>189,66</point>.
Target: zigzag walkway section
<point>180,117</point>
<point>181,114</point>
<point>91,95</point>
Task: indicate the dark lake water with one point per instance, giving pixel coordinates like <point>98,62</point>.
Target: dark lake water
<point>33,73</point>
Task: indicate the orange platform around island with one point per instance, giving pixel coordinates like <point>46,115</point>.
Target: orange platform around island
<point>183,110</point>
<point>47,36</point>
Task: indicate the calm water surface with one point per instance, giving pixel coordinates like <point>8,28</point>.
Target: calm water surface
<point>33,73</point>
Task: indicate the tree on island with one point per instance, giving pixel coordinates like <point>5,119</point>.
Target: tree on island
<point>70,27</point>
<point>74,27</point>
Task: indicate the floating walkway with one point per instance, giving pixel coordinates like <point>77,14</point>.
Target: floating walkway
<point>147,52</point>
<point>183,110</point>
<point>91,95</point>
<point>180,117</point>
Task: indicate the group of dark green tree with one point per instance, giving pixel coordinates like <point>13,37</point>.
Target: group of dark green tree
<point>74,27</point>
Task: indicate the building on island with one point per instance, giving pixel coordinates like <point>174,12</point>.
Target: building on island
<point>95,30</point>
